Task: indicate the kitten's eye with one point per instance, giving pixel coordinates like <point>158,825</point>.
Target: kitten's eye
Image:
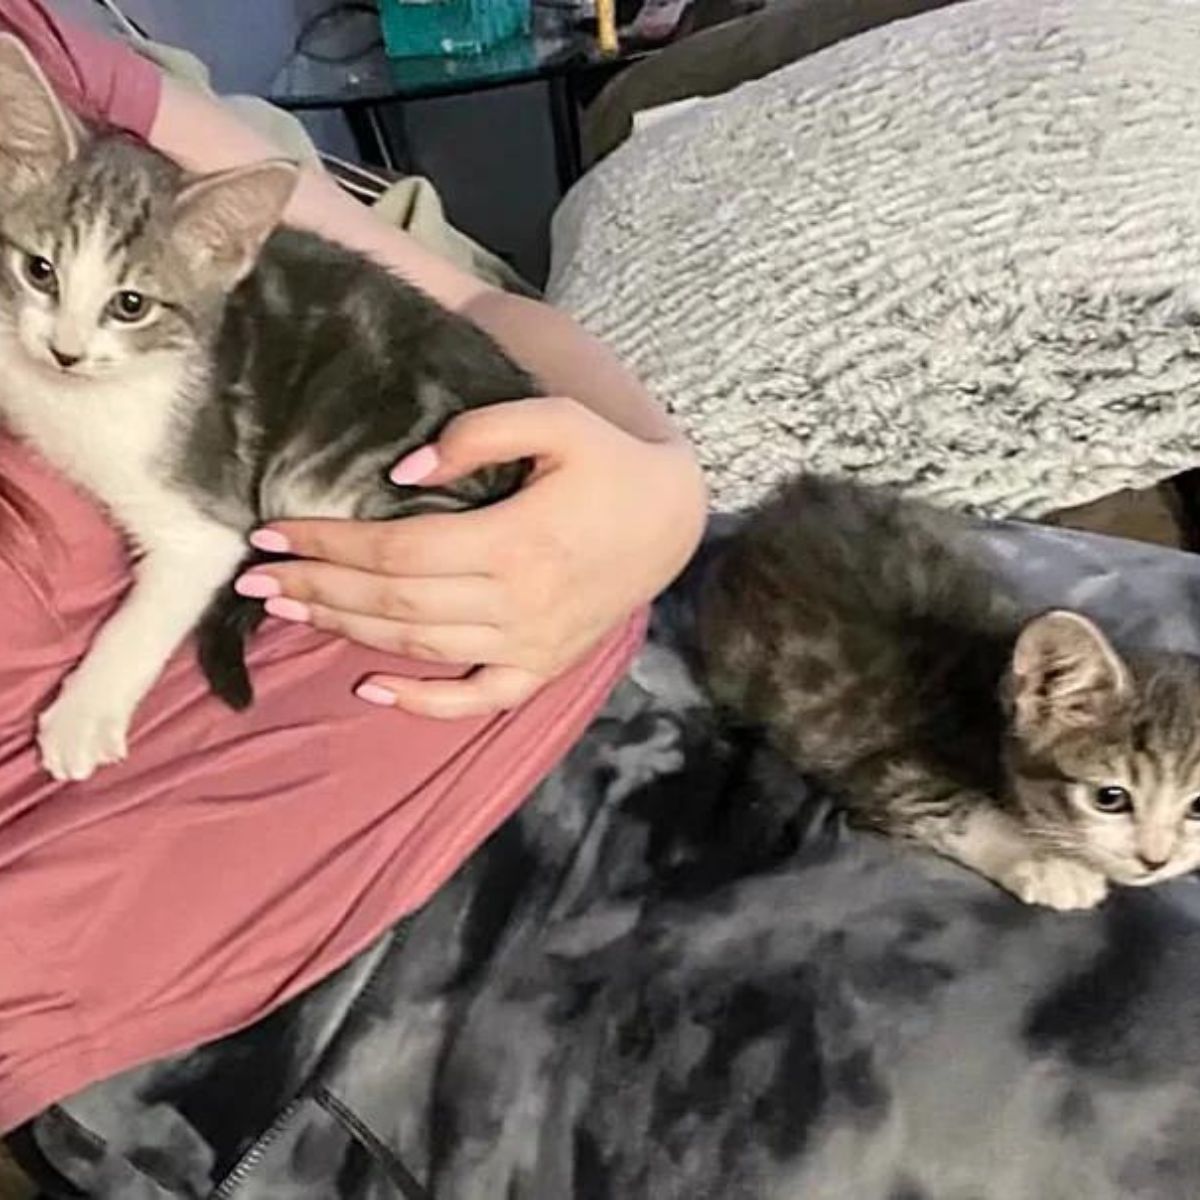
<point>130,306</point>
<point>1193,810</point>
<point>1112,800</point>
<point>40,273</point>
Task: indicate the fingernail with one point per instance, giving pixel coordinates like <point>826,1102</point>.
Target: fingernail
<point>287,610</point>
<point>270,540</point>
<point>414,467</point>
<point>373,693</point>
<point>256,586</point>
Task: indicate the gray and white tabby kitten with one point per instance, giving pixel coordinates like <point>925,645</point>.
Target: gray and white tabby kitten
<point>201,372</point>
<point>881,653</point>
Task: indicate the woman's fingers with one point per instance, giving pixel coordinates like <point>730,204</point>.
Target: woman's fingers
<point>546,429</point>
<point>465,644</point>
<point>484,692</point>
<point>462,543</point>
<point>434,599</point>
<point>431,544</point>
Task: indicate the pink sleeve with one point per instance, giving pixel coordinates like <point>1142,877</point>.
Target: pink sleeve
<point>99,77</point>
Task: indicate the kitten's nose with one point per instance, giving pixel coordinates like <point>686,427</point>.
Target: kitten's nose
<point>64,360</point>
<point>1152,864</point>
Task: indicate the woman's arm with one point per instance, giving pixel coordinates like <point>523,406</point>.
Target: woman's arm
<point>204,136</point>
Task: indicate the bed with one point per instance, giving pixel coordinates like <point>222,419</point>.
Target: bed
<point>959,253</point>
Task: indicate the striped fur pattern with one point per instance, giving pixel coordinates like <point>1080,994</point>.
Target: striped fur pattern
<point>201,370</point>
<point>886,657</point>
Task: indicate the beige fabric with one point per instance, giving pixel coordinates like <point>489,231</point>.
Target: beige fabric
<point>413,204</point>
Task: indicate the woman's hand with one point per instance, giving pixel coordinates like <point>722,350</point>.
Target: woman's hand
<point>522,588</point>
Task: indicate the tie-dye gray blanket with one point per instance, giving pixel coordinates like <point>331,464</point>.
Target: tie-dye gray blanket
<point>676,976</point>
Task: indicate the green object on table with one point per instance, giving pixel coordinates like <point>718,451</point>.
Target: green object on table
<point>421,28</point>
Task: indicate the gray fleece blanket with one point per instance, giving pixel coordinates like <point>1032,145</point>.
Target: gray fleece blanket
<point>959,253</point>
<point>675,975</point>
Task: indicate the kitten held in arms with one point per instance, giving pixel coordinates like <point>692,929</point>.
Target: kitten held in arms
<point>870,638</point>
<point>200,372</point>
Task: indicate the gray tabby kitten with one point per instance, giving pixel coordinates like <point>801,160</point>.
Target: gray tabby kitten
<point>882,654</point>
<point>199,387</point>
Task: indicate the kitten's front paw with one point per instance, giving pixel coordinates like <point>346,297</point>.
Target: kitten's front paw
<point>1059,883</point>
<point>81,731</point>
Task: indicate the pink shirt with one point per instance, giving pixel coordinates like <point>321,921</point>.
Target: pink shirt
<point>233,860</point>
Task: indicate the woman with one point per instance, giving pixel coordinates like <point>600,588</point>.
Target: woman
<point>230,864</point>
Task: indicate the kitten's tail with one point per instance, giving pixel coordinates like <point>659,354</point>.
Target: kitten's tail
<point>221,645</point>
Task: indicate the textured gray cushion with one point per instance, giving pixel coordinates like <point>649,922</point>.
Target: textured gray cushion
<point>960,253</point>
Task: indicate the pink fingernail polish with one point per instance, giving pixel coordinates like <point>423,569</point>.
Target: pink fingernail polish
<point>287,610</point>
<point>372,693</point>
<point>257,586</point>
<point>414,467</point>
<point>270,540</point>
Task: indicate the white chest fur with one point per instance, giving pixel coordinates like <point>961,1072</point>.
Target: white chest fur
<point>112,437</point>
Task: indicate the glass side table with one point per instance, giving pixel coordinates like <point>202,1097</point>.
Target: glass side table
<point>340,64</point>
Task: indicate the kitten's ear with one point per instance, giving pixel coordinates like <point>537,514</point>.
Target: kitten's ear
<point>38,136</point>
<point>221,221</point>
<point>1065,676</point>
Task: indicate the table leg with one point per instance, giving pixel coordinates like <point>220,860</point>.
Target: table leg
<point>564,122</point>
<point>374,142</point>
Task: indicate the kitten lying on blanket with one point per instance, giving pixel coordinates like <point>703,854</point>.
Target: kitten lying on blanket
<point>201,372</point>
<point>883,655</point>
